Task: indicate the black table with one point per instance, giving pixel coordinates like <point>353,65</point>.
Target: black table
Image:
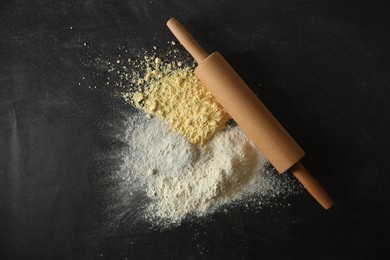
<point>324,73</point>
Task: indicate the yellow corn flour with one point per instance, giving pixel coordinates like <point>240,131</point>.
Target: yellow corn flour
<point>174,94</point>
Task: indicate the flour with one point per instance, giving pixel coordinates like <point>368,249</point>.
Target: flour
<point>179,98</point>
<point>183,180</point>
<point>173,93</point>
<point>164,176</point>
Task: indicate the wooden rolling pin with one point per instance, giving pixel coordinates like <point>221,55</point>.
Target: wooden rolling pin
<point>249,112</point>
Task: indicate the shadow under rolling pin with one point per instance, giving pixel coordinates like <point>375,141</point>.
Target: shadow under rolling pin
<point>249,112</point>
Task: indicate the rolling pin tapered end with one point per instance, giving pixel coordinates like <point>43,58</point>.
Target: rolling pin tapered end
<point>312,185</point>
<point>186,39</point>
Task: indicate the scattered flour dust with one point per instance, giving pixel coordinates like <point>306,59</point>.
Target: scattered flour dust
<point>166,87</point>
<point>181,179</point>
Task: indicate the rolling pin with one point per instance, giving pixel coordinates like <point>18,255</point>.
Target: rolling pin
<point>250,113</point>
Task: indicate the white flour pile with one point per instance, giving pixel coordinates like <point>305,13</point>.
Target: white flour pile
<point>181,179</point>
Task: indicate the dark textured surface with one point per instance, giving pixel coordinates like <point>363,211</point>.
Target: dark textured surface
<point>324,72</point>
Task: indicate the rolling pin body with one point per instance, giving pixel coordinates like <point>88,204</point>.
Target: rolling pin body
<point>249,112</point>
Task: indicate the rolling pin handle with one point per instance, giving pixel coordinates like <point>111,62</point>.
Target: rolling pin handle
<point>312,185</point>
<point>186,39</point>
